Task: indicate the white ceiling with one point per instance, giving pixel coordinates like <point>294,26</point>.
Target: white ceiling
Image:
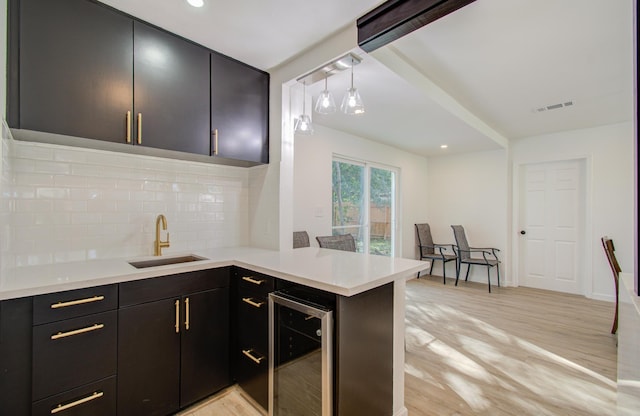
<point>472,80</point>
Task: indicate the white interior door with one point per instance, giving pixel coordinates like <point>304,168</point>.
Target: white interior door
<point>552,225</point>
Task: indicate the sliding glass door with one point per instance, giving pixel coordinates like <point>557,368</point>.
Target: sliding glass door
<point>364,205</point>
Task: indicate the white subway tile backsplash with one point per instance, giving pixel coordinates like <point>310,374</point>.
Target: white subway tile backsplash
<point>70,204</point>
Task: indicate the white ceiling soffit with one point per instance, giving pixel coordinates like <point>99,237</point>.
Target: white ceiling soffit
<point>504,60</point>
<point>261,33</point>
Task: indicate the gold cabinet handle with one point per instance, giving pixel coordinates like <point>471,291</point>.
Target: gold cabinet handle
<point>215,142</point>
<point>252,303</point>
<point>177,316</point>
<point>250,279</point>
<point>139,128</point>
<point>186,307</point>
<point>93,327</point>
<point>249,353</point>
<point>76,302</point>
<point>128,122</point>
<point>63,407</point>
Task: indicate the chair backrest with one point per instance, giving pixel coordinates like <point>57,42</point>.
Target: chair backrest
<point>461,242</point>
<point>344,242</point>
<point>300,239</point>
<point>609,249</point>
<point>425,241</point>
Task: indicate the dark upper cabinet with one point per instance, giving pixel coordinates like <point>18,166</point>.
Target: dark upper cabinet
<point>89,71</point>
<point>76,69</point>
<point>239,111</point>
<point>171,83</point>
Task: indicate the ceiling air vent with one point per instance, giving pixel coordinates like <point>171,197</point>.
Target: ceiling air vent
<point>553,107</point>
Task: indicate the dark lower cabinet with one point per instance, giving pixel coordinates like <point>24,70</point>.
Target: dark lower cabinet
<point>205,347</point>
<point>15,356</point>
<point>148,359</point>
<point>173,351</point>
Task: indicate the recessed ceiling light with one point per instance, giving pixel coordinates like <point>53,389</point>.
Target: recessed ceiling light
<point>196,3</point>
<point>443,146</point>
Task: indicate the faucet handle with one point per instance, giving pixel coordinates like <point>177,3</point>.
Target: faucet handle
<point>167,238</point>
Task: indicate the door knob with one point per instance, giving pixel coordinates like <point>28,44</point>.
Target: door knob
<point>523,232</point>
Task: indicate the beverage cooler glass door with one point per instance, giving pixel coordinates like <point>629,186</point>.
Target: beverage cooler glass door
<point>300,358</point>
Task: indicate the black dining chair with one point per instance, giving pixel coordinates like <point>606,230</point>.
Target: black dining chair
<point>609,250</point>
<point>434,252</point>
<point>489,258</point>
<point>300,239</point>
<point>344,242</point>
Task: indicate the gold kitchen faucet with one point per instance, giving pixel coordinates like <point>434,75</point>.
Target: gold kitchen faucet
<point>159,244</point>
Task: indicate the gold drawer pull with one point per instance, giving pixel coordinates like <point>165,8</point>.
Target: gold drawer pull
<point>61,408</point>
<point>250,279</point>
<point>139,128</point>
<point>249,354</point>
<point>186,307</point>
<point>252,303</point>
<point>215,142</point>
<point>93,327</point>
<point>128,122</point>
<point>177,316</point>
<point>76,302</point>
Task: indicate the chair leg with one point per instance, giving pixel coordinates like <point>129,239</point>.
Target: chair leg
<point>444,273</point>
<point>457,272</point>
<point>431,269</point>
<point>498,273</point>
<point>467,276</point>
<point>489,278</point>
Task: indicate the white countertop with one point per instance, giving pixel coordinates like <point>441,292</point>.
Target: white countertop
<point>340,272</point>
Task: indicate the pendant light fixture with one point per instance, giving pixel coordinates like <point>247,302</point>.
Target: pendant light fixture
<point>303,123</point>
<point>351,102</point>
<point>325,103</point>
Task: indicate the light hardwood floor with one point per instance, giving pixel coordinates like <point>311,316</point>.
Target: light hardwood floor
<point>516,351</point>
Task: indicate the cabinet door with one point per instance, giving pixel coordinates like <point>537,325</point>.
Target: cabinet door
<point>239,110</point>
<point>76,69</point>
<point>171,91</point>
<point>205,345</point>
<point>149,358</point>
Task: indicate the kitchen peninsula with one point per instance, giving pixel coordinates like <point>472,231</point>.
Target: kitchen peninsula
<point>361,283</point>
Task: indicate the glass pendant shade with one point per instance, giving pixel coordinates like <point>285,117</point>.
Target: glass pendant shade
<point>352,103</point>
<point>303,125</point>
<point>325,104</point>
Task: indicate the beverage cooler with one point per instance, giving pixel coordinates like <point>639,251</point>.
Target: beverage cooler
<point>300,352</point>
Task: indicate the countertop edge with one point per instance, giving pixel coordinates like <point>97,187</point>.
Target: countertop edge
<point>240,257</point>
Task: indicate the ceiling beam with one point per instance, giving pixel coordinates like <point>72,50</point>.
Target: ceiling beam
<point>396,62</point>
<point>396,18</point>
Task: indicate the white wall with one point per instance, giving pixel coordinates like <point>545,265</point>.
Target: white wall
<point>610,181</point>
<point>312,182</point>
<point>471,190</point>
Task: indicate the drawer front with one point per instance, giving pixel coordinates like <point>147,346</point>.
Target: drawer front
<point>157,288</point>
<point>253,377</point>
<point>254,281</point>
<point>74,303</point>
<point>253,319</point>
<point>95,399</point>
<point>70,353</point>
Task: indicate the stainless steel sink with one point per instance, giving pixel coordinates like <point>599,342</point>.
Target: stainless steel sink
<point>165,261</point>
